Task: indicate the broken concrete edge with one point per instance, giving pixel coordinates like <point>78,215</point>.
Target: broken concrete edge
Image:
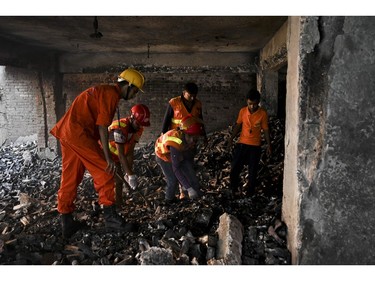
<point>230,233</point>
<point>229,251</point>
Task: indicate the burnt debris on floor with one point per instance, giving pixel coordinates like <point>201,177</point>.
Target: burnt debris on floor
<point>184,232</point>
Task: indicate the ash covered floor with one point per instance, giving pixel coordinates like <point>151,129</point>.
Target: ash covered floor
<point>181,233</point>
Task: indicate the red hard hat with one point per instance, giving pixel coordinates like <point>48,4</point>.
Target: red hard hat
<point>191,125</point>
<point>141,113</point>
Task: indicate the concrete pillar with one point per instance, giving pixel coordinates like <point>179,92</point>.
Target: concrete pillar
<point>291,194</point>
<point>328,195</point>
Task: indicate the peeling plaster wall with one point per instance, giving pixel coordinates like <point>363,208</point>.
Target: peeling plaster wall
<point>336,143</point>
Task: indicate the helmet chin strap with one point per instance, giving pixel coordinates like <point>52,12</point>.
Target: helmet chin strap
<point>127,92</point>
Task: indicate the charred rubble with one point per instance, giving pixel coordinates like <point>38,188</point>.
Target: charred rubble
<point>180,233</point>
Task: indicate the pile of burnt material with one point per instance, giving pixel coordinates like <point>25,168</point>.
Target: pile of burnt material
<point>186,232</point>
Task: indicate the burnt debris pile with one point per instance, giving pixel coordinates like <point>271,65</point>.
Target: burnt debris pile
<point>185,232</point>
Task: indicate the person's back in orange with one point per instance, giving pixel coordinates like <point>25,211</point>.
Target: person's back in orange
<point>78,131</point>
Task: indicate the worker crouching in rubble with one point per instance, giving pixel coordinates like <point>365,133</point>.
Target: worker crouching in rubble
<point>183,105</point>
<point>124,134</point>
<point>79,130</point>
<point>174,152</point>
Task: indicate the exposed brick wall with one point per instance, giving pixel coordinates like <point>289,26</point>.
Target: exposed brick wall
<point>44,137</point>
<point>222,92</point>
<point>21,105</point>
<point>27,104</point>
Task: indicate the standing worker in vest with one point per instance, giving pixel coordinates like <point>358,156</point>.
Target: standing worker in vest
<point>124,135</point>
<point>181,106</point>
<point>78,131</point>
<point>174,151</point>
<point>251,121</point>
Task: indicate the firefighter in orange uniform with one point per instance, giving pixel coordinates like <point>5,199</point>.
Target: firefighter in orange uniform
<point>252,120</point>
<point>78,131</point>
<point>124,134</point>
<point>174,151</point>
<point>179,107</point>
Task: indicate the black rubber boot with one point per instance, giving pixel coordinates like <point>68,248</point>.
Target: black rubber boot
<point>69,225</point>
<point>114,222</point>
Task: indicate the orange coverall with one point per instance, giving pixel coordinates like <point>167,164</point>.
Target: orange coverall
<point>78,133</point>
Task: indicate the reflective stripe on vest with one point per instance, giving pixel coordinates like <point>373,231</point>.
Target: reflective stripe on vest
<point>113,149</point>
<point>176,121</point>
<point>115,125</point>
<point>163,147</point>
<point>168,139</point>
<point>175,139</point>
<point>180,111</point>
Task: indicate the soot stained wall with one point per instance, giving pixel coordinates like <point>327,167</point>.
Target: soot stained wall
<point>28,102</point>
<point>337,147</point>
<point>222,92</point>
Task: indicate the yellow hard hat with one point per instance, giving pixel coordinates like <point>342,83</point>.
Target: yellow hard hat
<point>133,76</point>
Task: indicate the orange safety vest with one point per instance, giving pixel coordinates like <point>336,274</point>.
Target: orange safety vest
<point>130,137</point>
<point>162,144</point>
<point>180,111</point>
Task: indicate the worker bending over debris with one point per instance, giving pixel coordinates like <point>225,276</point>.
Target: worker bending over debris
<point>181,106</point>
<point>124,133</point>
<point>174,153</point>
<point>78,131</point>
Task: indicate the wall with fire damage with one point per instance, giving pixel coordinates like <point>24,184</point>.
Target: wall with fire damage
<point>330,141</point>
<point>31,101</point>
<point>222,92</point>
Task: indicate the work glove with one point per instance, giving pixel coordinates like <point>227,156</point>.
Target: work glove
<point>131,180</point>
<point>192,193</point>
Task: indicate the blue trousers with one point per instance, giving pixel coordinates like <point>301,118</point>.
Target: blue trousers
<point>170,178</point>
